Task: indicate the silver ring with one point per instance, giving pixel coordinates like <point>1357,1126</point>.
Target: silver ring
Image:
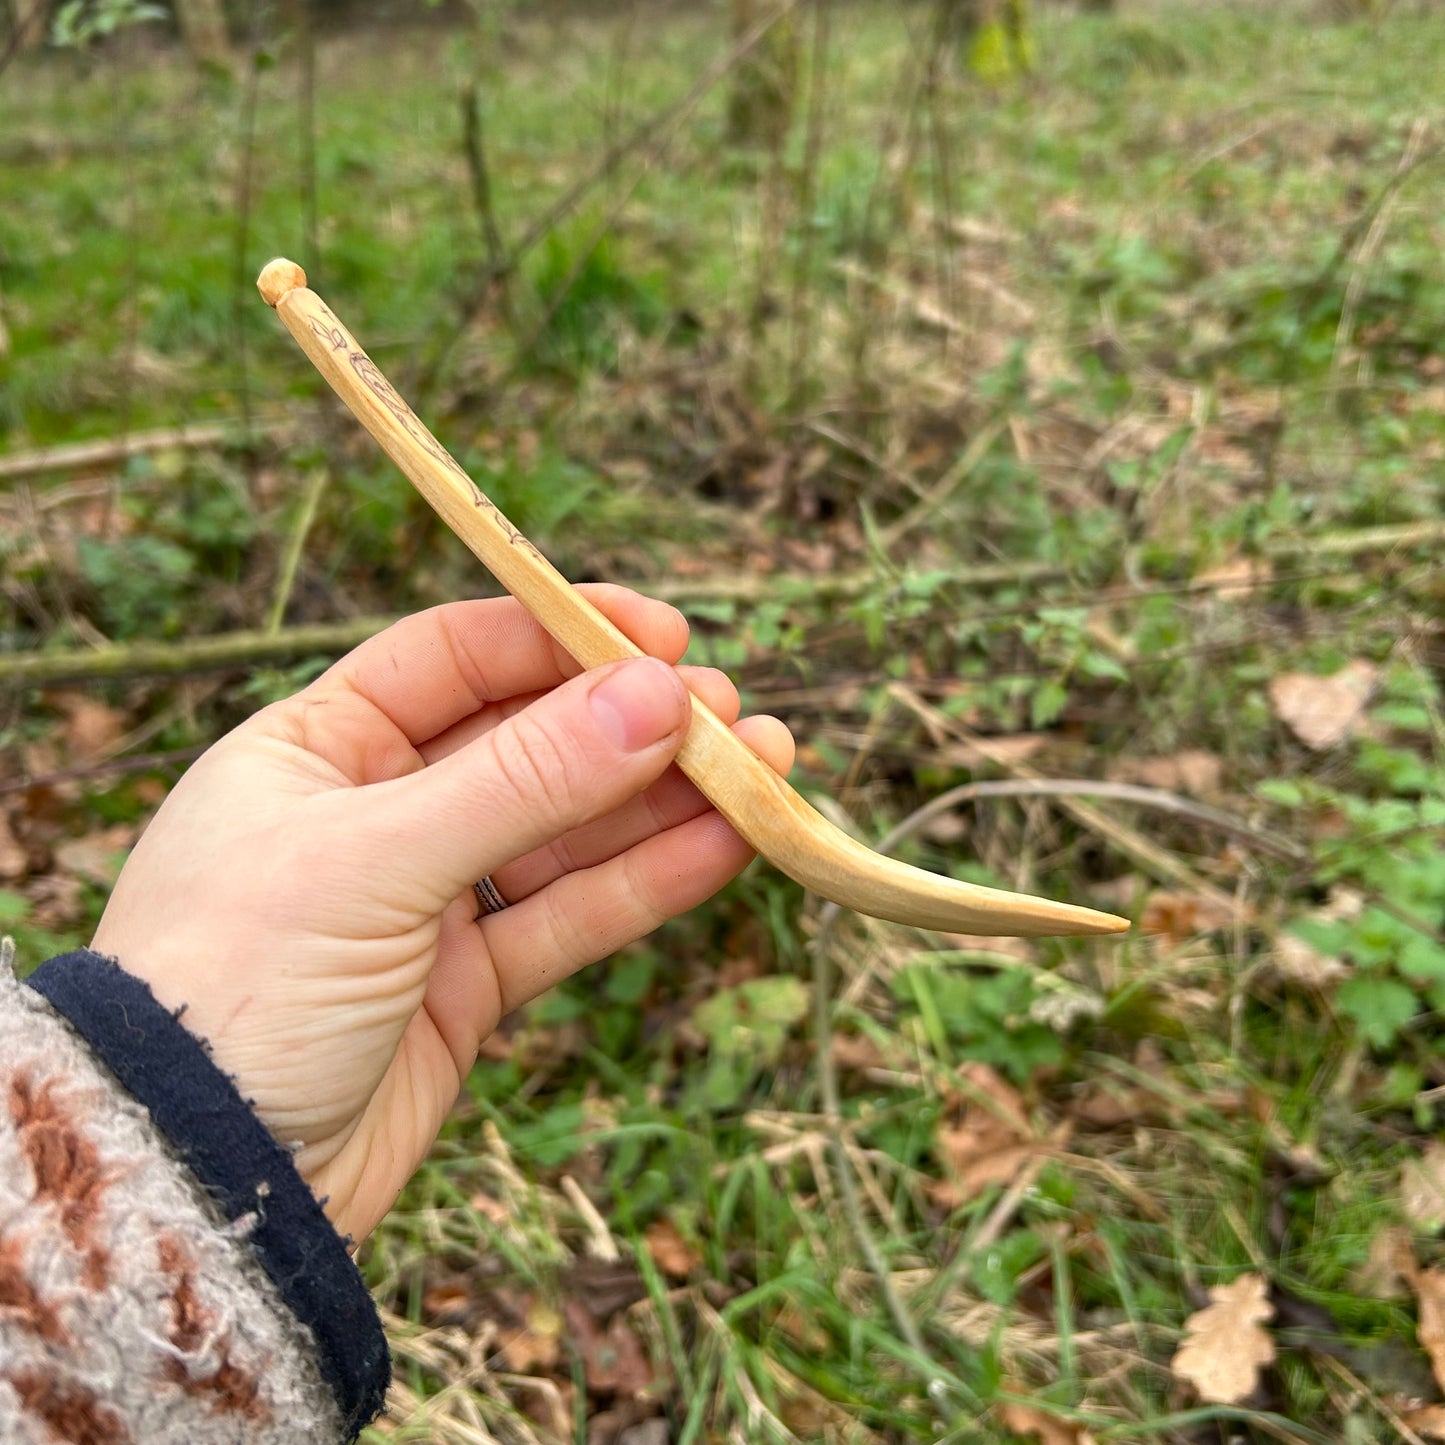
<point>491,901</point>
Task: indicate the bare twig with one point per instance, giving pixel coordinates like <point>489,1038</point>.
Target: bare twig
<point>295,545</point>
<point>1158,799</point>
<point>474,147</point>
<point>23,33</point>
<point>111,451</point>
<point>805,305</point>
<point>137,763</point>
<point>1144,852</point>
<point>241,268</point>
<point>658,130</point>
<point>306,126</point>
<point>945,486</point>
<point>1369,249</point>
<point>196,654</point>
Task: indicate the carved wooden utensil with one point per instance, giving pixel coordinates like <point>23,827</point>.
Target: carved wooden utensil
<point>760,805</point>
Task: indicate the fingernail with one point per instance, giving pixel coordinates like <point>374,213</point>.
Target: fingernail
<point>637,705</point>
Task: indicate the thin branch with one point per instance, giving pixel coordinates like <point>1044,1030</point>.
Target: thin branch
<point>110,451</point>
<point>662,125</point>
<point>474,146</point>
<point>196,654</point>
<point>306,125</point>
<point>1158,799</point>
<point>1369,249</point>
<point>295,545</point>
<point>805,305</point>
<point>242,292</point>
<point>139,763</point>
<point>1143,851</point>
<point>20,35</point>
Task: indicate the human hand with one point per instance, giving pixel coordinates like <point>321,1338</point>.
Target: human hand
<point>305,893</point>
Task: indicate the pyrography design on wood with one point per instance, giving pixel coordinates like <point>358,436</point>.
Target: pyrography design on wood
<point>369,374</point>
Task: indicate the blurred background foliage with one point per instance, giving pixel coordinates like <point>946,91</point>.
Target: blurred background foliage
<point>1042,407</point>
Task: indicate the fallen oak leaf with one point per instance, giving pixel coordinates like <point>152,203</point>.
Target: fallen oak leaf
<point>1225,1345</point>
<point>1300,962</point>
<point>1422,1188</point>
<point>1428,1421</point>
<point>1029,1421</point>
<point>1430,1328</point>
<point>1191,770</point>
<point>1323,711</point>
<point>14,856</point>
<point>536,1346</point>
<point>613,1359</point>
<point>984,1138</point>
<point>91,728</point>
<point>97,857</point>
<point>670,1252</point>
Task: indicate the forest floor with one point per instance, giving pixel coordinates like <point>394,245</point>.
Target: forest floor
<point>1078,437</point>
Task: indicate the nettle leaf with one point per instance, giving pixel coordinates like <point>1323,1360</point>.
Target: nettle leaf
<point>1047,703</point>
<point>1282,791</point>
<point>1329,936</point>
<point>1423,959</point>
<point>1377,937</point>
<point>746,1028</point>
<point>1379,1008</point>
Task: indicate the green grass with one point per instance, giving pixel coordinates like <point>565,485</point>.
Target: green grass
<point>1141,255</point>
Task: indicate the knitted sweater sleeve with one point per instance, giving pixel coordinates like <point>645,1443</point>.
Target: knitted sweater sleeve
<point>165,1276</point>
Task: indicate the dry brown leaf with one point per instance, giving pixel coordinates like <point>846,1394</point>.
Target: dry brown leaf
<point>612,1359</point>
<point>984,1138</point>
<point>1428,1421</point>
<point>1101,1107</point>
<point>1030,1420</point>
<point>446,1303</point>
<point>97,857</point>
<point>802,1327</point>
<point>1238,577</point>
<point>857,1052</point>
<point>670,1252</point>
<point>537,1345</point>
<point>1003,751</point>
<point>57,900</point>
<point>14,856</point>
<point>1323,711</point>
<point>1430,1330</point>
<point>1297,961</point>
<point>1225,1345</point>
<point>1422,1188</point>
<point>90,727</point>
<point>1181,916</point>
<point>1389,1265</point>
<point>1192,770</point>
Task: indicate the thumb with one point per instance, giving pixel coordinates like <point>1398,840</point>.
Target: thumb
<point>573,755</point>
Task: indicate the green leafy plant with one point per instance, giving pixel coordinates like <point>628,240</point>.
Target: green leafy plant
<point>746,1028</point>
<point>79,23</point>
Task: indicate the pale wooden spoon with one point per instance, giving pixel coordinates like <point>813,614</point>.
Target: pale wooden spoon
<point>767,812</point>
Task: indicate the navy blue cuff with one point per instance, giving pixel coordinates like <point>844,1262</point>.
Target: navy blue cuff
<point>168,1070</point>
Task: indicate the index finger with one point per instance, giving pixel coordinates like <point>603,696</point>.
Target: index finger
<point>431,670</point>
